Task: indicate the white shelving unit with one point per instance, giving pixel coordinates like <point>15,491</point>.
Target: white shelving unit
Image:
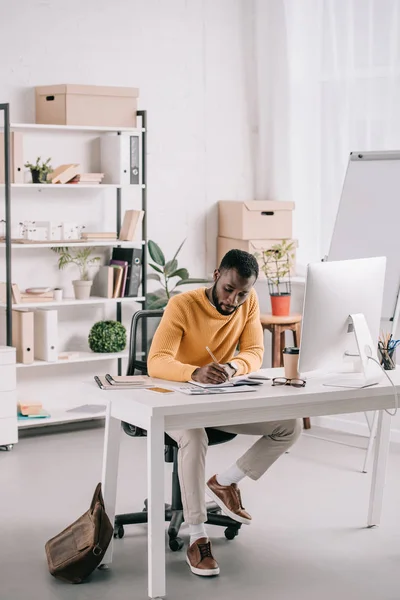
<point>51,187</point>
<point>73,302</point>
<point>67,128</point>
<point>83,357</point>
<point>93,243</point>
<point>60,415</point>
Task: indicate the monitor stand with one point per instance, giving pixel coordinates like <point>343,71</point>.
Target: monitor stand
<point>366,371</point>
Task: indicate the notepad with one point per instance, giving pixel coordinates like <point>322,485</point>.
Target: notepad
<point>201,391</point>
<point>241,380</point>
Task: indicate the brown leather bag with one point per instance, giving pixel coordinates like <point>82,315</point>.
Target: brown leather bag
<point>74,554</point>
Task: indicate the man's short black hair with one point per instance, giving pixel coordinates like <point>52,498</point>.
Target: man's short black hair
<point>244,263</point>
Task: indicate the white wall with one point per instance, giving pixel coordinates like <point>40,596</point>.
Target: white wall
<point>186,58</point>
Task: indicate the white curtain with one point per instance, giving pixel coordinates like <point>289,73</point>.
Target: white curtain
<point>327,83</point>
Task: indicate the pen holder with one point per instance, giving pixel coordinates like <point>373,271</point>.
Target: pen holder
<point>387,358</point>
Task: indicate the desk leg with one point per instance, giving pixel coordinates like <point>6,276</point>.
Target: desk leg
<point>379,469</point>
<point>155,508</point>
<point>109,476</point>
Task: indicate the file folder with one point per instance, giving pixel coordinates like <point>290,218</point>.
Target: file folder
<point>23,335</point>
<point>46,335</point>
<point>120,158</point>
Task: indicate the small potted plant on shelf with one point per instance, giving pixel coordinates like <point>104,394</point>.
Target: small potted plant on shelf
<point>39,170</point>
<point>277,263</point>
<point>165,271</point>
<point>83,259</point>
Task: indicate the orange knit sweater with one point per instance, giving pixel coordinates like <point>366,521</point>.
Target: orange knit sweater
<point>190,323</point>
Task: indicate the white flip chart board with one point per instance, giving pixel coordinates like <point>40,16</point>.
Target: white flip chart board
<point>368,218</point>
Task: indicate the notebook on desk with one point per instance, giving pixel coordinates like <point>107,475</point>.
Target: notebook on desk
<point>193,390</point>
<point>241,380</point>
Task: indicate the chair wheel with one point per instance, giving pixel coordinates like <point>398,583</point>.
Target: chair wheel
<point>231,533</point>
<point>119,531</point>
<point>176,544</point>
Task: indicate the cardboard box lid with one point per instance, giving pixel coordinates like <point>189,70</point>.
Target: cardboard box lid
<point>268,205</point>
<point>267,244</point>
<point>87,90</point>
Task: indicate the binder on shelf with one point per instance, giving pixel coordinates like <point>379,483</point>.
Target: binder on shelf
<point>131,226</point>
<point>16,158</point>
<point>46,334</point>
<point>134,258</point>
<point>23,335</point>
<point>120,158</point>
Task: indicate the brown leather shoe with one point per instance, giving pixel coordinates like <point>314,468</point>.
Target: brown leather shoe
<point>200,559</point>
<point>228,499</point>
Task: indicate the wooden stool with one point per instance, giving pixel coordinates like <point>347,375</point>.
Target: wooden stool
<point>277,326</point>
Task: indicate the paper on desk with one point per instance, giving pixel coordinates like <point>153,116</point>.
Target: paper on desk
<point>200,391</point>
<point>240,380</point>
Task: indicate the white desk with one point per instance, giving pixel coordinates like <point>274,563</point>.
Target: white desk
<point>157,413</point>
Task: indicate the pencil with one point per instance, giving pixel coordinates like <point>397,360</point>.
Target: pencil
<point>212,355</point>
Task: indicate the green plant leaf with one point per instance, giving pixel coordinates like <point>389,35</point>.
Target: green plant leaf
<point>179,249</point>
<point>189,281</point>
<point>154,276</point>
<point>156,268</point>
<point>157,304</point>
<point>156,253</point>
<point>181,273</point>
<point>170,267</point>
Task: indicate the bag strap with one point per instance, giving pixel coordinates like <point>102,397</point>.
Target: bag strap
<point>97,498</point>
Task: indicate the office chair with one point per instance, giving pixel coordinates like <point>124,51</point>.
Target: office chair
<point>140,324</point>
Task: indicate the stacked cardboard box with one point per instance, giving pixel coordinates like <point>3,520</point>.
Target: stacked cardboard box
<point>253,226</point>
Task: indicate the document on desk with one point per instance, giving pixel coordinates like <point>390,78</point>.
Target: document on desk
<point>201,391</point>
<point>240,381</point>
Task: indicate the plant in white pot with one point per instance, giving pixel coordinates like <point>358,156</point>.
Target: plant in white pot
<point>83,259</point>
<point>277,263</point>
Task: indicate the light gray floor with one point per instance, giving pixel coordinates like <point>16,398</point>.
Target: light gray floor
<point>307,541</point>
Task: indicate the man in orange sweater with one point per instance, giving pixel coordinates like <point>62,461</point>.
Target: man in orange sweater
<point>222,317</point>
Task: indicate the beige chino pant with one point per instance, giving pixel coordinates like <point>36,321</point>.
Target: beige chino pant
<point>276,438</point>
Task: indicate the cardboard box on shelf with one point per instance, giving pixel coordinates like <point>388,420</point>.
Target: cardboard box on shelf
<point>90,105</point>
<point>255,220</point>
<point>252,246</point>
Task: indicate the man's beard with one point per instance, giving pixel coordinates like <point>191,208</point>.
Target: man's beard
<point>217,304</point>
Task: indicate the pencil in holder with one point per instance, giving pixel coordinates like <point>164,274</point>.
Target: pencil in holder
<point>387,358</point>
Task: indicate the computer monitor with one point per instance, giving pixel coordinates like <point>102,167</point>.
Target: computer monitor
<point>341,321</point>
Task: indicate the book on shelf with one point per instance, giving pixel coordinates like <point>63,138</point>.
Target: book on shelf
<point>131,225</point>
<point>133,256</point>
<point>88,178</point>
<point>103,282</point>
<point>99,235</point>
<point>118,274</point>
<point>64,173</point>
<point>68,355</point>
<point>124,265</point>
<point>15,293</point>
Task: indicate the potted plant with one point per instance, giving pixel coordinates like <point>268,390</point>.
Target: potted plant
<point>39,170</point>
<point>107,336</point>
<point>165,271</point>
<point>83,259</point>
<point>277,263</point>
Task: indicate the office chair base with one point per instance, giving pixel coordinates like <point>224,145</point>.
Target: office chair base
<point>175,519</point>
